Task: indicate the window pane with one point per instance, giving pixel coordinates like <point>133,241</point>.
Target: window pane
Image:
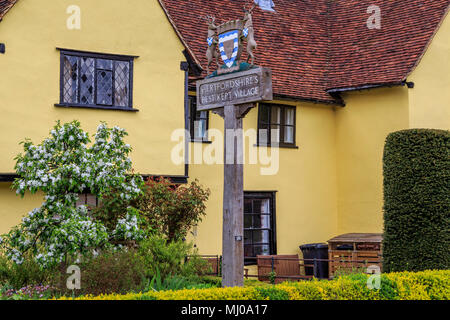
<point>264,113</point>
<point>289,134</point>
<point>247,237</point>
<point>91,200</point>
<point>87,69</point>
<point>261,221</point>
<point>121,84</point>
<point>261,250</point>
<point>274,133</point>
<point>203,115</point>
<point>200,125</point>
<point>275,115</point>
<point>198,122</point>
<point>261,236</point>
<point>200,129</point>
<point>104,87</point>
<point>263,133</point>
<point>70,86</point>
<point>265,206</point>
<point>104,64</point>
<point>247,206</point>
<point>289,114</point>
<point>257,206</point>
<point>248,251</point>
<point>248,221</point>
<point>81,200</point>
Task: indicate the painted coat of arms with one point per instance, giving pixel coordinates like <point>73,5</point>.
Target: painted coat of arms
<point>229,46</point>
<point>228,38</point>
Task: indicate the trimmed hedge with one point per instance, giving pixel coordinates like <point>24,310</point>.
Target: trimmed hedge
<point>416,167</point>
<point>426,285</point>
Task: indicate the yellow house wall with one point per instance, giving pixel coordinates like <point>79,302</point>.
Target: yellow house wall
<point>13,208</point>
<point>331,184</point>
<point>430,98</point>
<point>353,171</point>
<point>362,126</point>
<point>361,129</point>
<point>306,200</point>
<point>30,73</point>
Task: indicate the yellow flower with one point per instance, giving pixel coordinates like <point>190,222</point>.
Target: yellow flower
<point>405,285</point>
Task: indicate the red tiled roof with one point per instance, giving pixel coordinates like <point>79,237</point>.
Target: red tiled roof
<point>361,57</point>
<point>5,5</point>
<point>298,49</point>
<point>315,45</point>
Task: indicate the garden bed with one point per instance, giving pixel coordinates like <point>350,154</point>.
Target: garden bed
<point>426,285</point>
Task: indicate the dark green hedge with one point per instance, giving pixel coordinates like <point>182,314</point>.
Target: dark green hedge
<point>416,166</point>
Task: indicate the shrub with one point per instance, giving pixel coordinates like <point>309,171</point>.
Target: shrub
<point>169,258</point>
<point>416,167</point>
<point>111,271</point>
<point>165,208</point>
<point>214,281</point>
<point>425,285</point>
<point>172,211</point>
<point>179,282</point>
<point>16,276</point>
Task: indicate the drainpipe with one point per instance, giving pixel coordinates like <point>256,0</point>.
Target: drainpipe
<point>184,66</point>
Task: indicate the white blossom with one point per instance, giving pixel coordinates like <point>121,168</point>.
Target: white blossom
<point>80,166</point>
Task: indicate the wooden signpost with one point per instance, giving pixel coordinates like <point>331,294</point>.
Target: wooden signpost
<point>232,96</point>
<point>231,92</point>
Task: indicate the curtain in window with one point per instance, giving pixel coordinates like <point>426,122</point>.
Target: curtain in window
<point>200,125</point>
<point>275,119</point>
<point>265,223</point>
<point>289,115</point>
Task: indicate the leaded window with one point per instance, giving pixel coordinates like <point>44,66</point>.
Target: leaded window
<point>96,80</point>
<point>259,225</point>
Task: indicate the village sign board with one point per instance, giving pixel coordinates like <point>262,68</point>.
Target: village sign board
<point>231,91</point>
<point>243,87</point>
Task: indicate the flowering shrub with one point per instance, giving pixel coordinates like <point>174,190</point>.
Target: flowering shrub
<point>28,292</point>
<point>128,228</point>
<point>426,285</point>
<point>61,167</point>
